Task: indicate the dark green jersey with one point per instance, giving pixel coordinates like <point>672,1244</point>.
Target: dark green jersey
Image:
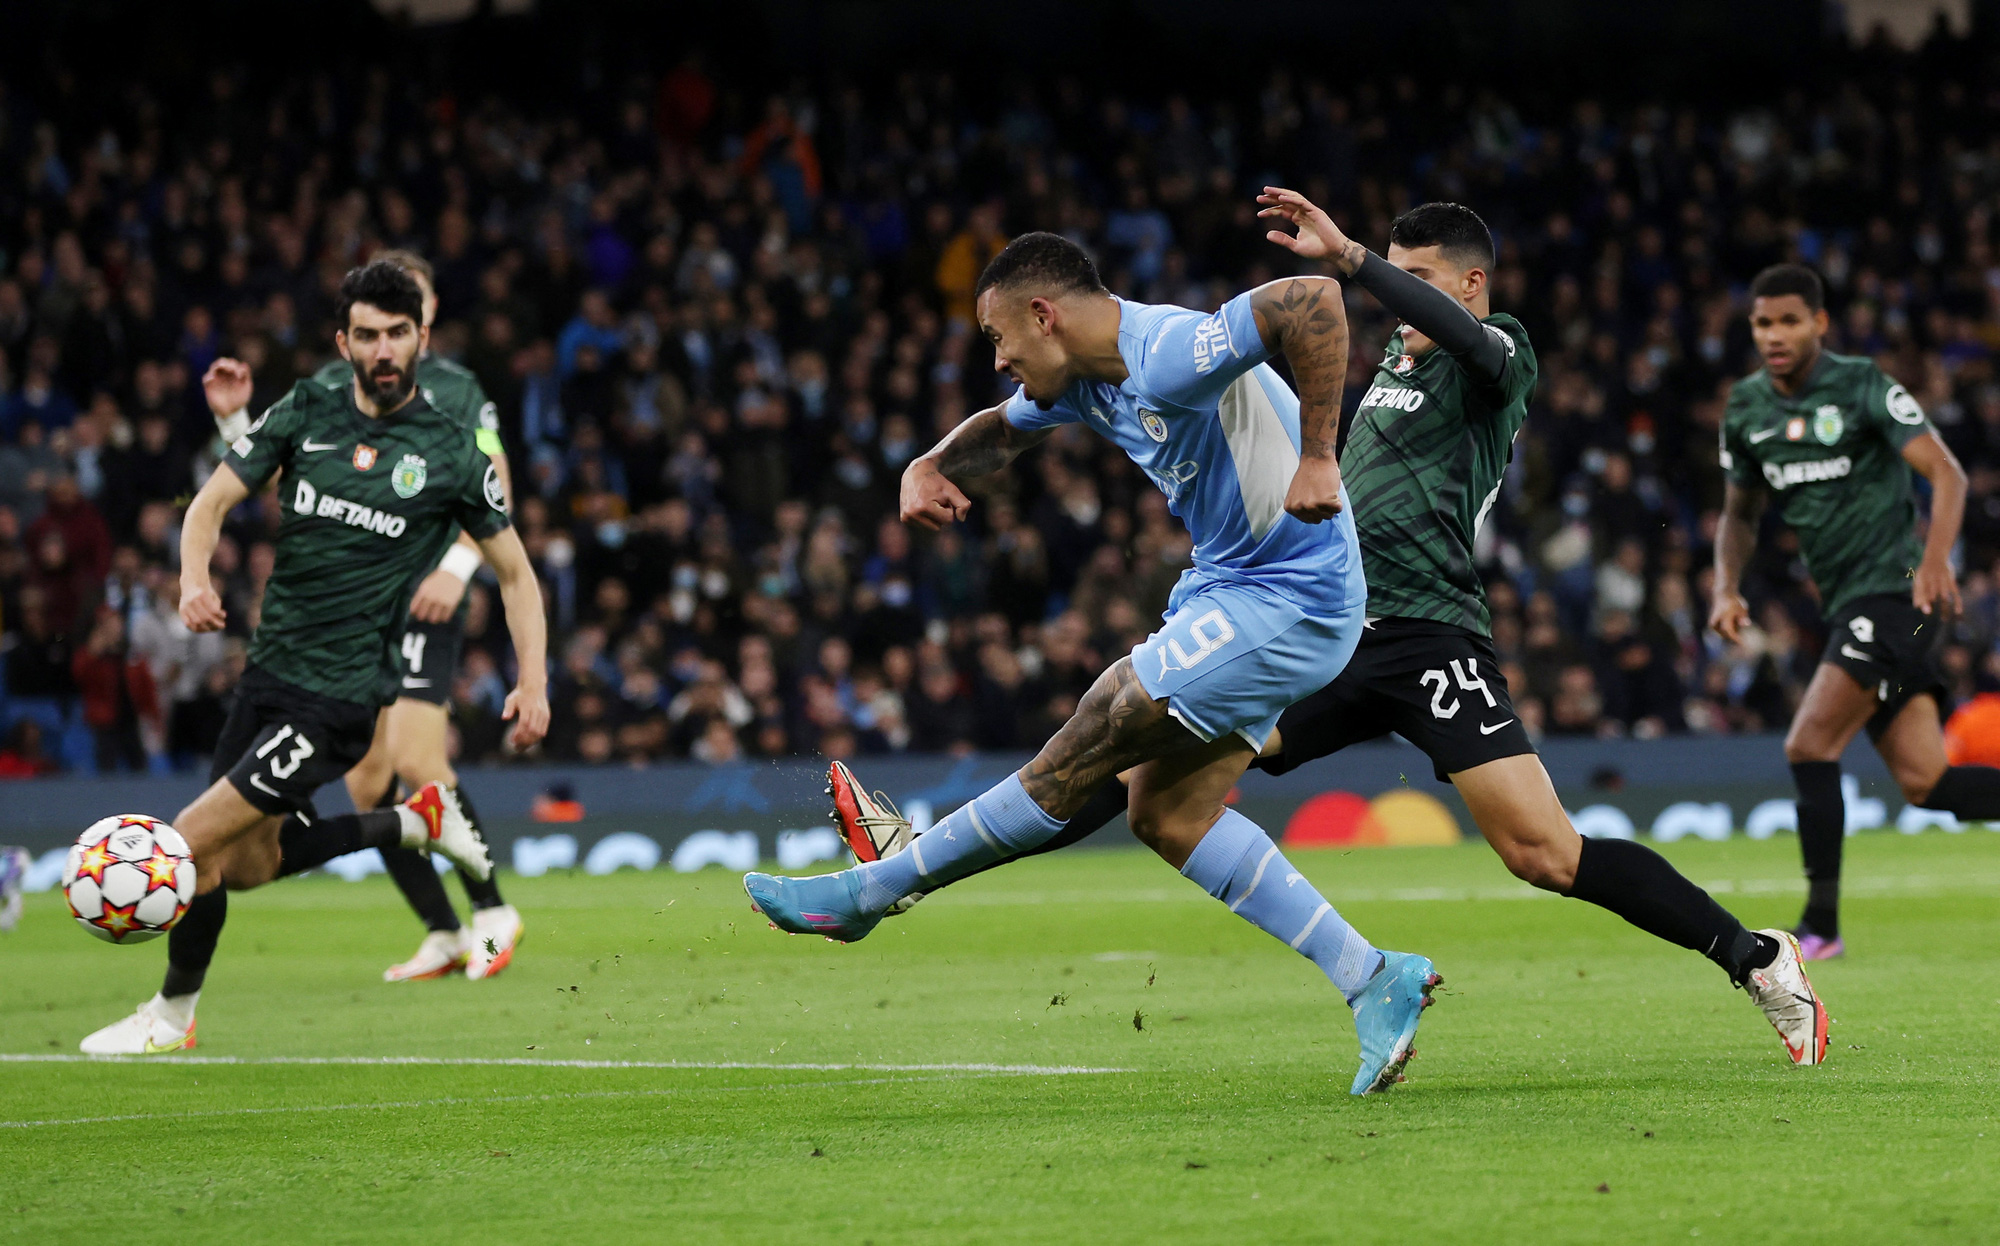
<point>1832,454</point>
<point>1422,467</point>
<point>449,387</point>
<point>368,506</point>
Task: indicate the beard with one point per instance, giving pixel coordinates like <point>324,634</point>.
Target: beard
<point>389,388</point>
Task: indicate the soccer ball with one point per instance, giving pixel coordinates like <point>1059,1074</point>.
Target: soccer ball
<point>129,878</point>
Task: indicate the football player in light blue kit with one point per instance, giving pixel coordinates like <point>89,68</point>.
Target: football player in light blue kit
<point>1271,610</point>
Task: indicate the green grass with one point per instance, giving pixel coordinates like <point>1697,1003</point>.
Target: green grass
<point>1569,1054</point>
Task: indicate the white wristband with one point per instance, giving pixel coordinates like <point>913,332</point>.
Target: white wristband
<point>233,425</point>
<point>461,561</point>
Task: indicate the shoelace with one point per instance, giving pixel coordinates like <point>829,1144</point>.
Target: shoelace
<point>893,819</point>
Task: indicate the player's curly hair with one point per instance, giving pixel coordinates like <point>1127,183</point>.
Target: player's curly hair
<point>1048,262</point>
<point>382,285</point>
<point>1782,279</point>
<point>1454,229</point>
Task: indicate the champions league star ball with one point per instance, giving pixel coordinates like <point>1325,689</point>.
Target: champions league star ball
<point>128,879</point>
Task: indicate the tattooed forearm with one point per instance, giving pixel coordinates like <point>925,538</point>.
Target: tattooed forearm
<point>983,444</point>
<point>1116,726</point>
<point>1305,318</point>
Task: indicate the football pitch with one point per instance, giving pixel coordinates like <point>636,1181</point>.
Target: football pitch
<point>1079,1047</point>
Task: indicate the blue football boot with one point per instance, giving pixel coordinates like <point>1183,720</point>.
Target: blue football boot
<point>1386,1015</point>
<point>823,905</point>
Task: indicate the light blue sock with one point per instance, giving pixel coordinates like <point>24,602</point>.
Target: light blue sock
<point>1000,823</point>
<point>1239,865</point>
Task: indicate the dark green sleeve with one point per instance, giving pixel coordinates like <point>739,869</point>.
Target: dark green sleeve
<point>267,445</point>
<point>1518,368</point>
<point>1735,458</point>
<point>484,418</point>
<point>1889,407</point>
<point>481,506</point>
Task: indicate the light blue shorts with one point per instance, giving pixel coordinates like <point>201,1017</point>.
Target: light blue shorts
<point>1232,656</point>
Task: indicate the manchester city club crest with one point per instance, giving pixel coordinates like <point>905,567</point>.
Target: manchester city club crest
<point>1827,424</point>
<point>409,476</point>
<point>1155,427</point>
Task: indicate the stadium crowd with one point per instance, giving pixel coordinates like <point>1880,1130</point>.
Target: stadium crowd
<point>718,322</point>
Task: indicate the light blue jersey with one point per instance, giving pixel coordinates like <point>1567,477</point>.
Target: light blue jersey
<point>1218,431</point>
<point>1272,609</point>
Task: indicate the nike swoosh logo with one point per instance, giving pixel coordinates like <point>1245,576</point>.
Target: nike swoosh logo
<point>310,447</point>
<point>257,782</point>
<point>1849,651</point>
<point>1486,730</point>
<point>1766,435</point>
<point>415,683</point>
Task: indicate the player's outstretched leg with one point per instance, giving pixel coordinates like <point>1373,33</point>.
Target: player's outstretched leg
<point>165,1022</point>
<point>845,906</point>
<point>1787,997</point>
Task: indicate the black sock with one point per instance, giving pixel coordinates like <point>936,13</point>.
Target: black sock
<point>304,842</point>
<point>1969,793</point>
<point>1822,829</point>
<point>1640,886</point>
<point>191,943</point>
<point>483,894</point>
<point>418,880</point>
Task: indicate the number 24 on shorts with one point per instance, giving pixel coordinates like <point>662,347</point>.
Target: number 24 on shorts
<point>1468,681</point>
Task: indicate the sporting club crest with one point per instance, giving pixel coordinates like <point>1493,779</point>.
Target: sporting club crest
<point>1827,424</point>
<point>364,458</point>
<point>409,476</point>
<point>1155,427</point>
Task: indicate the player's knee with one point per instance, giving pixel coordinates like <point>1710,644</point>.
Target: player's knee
<point>1918,786</point>
<point>1171,833</point>
<point>1539,864</point>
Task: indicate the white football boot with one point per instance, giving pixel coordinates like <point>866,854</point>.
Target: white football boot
<point>442,952</point>
<point>495,932</point>
<point>155,1028</point>
<point>445,829</point>
<point>872,825</point>
<point>1786,995</point>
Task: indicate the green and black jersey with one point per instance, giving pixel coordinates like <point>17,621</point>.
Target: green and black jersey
<point>1422,466</point>
<point>368,506</point>
<point>450,387</point>
<point>1832,453</point>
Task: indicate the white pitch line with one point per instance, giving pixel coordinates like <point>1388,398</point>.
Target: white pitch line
<point>456,1101</point>
<point>1001,1070</point>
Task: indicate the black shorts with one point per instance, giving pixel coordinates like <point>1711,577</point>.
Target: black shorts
<point>429,654</point>
<point>1891,647</point>
<point>281,743</point>
<point>1437,686</point>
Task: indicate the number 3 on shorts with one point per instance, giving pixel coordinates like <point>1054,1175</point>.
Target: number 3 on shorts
<point>285,767</point>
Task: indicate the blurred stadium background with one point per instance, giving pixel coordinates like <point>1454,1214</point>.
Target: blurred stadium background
<point>714,265</point>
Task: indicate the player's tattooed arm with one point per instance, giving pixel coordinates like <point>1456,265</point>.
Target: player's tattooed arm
<point>1117,725</point>
<point>981,445</point>
<point>1735,541</point>
<point>1305,319</point>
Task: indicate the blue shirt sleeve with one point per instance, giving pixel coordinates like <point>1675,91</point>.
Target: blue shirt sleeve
<point>1026,414</point>
<point>1186,359</point>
